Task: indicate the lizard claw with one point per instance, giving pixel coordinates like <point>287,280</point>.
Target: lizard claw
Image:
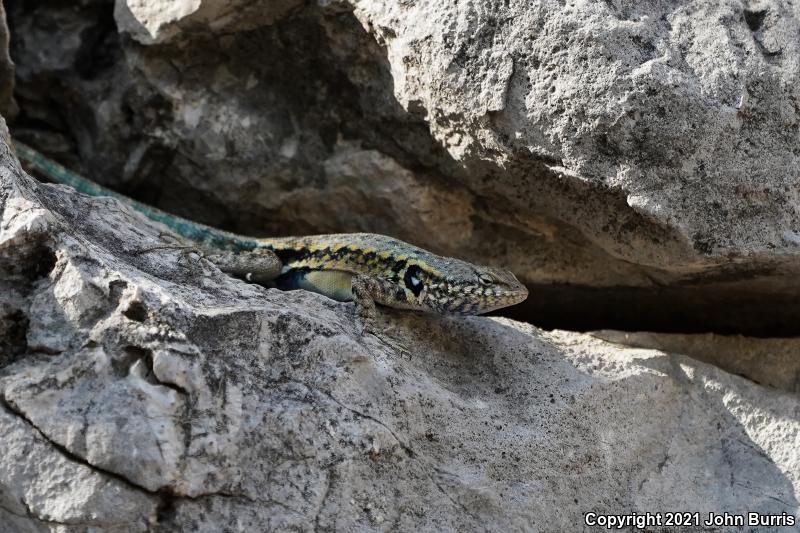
<point>367,326</point>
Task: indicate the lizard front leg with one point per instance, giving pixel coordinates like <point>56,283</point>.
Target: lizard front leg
<point>366,290</point>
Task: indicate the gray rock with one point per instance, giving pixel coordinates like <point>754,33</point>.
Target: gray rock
<point>770,362</point>
<point>8,107</point>
<point>154,393</point>
<point>44,488</point>
<point>639,155</point>
<point>635,158</point>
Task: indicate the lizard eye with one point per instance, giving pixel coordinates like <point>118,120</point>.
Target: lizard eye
<point>413,279</point>
<point>486,280</point>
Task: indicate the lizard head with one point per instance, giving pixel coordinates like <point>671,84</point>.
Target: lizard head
<point>461,288</point>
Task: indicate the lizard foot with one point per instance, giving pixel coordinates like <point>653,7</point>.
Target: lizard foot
<point>365,291</point>
<point>394,346</point>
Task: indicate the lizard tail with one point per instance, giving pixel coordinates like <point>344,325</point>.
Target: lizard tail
<point>203,235</point>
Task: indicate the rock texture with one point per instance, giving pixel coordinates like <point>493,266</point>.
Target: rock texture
<point>771,362</point>
<point>8,107</point>
<point>635,163</point>
<point>150,392</point>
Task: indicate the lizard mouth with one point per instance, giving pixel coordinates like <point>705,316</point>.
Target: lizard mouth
<point>489,300</point>
<point>503,299</point>
<point>511,292</point>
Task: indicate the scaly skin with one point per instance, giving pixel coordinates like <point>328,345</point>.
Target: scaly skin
<point>364,267</point>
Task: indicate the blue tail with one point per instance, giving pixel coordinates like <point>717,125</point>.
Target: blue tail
<point>201,234</point>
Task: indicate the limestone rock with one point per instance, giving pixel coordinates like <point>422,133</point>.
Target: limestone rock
<point>148,391</point>
<point>770,362</point>
<point>635,158</point>
<point>8,107</point>
<point>153,22</point>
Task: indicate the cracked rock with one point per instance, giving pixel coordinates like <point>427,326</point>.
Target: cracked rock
<point>43,488</point>
<point>154,393</point>
<point>635,163</point>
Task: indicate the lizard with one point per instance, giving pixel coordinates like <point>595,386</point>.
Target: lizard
<point>364,268</point>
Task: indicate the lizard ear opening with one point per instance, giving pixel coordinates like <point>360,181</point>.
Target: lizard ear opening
<point>413,279</point>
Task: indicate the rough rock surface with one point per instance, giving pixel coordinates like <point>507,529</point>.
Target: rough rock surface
<point>771,362</point>
<point>8,107</point>
<point>636,163</point>
<point>150,392</point>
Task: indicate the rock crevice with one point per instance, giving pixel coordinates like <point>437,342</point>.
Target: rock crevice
<point>634,162</point>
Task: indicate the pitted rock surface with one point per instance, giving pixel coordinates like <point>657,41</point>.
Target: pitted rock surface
<point>150,392</point>
<point>635,163</point>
